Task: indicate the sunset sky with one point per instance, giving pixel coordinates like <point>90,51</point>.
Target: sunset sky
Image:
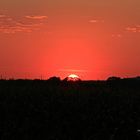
<point>94,39</point>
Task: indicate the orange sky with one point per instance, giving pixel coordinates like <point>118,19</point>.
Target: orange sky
<point>93,39</point>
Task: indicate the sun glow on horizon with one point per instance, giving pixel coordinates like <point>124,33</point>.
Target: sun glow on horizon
<point>73,76</point>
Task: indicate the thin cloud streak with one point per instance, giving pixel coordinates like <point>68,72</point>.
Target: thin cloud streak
<point>11,25</point>
<point>73,70</point>
<point>133,29</point>
<point>36,17</point>
<point>117,35</point>
<point>129,29</point>
<point>2,16</point>
<point>96,21</point>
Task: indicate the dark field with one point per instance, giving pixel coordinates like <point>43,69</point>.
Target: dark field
<point>43,110</point>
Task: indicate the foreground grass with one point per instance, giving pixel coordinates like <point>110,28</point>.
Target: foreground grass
<point>56,111</point>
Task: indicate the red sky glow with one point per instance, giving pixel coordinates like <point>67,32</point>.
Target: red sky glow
<point>92,39</point>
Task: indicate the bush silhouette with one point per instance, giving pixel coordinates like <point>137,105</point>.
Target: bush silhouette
<point>113,78</point>
<point>54,79</point>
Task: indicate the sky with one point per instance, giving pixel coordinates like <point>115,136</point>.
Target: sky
<point>94,39</point>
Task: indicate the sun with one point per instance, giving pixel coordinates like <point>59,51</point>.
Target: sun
<point>73,77</point>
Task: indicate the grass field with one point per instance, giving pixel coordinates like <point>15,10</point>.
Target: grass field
<point>84,110</point>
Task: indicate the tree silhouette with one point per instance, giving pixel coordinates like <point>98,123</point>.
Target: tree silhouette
<point>54,79</point>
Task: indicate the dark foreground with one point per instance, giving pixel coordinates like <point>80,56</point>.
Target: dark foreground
<point>41,110</point>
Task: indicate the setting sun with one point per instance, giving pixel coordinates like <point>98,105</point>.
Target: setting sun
<point>73,76</point>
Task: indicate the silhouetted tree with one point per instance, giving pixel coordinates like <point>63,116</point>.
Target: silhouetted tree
<point>54,79</point>
<point>113,78</point>
<point>138,77</point>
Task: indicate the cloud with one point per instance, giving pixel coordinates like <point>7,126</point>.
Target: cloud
<point>72,70</point>
<point>117,35</point>
<point>96,21</point>
<point>37,17</point>
<point>13,25</point>
<point>133,29</point>
<point>128,29</point>
<point>2,16</point>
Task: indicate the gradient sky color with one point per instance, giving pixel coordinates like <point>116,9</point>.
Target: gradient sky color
<point>94,39</point>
